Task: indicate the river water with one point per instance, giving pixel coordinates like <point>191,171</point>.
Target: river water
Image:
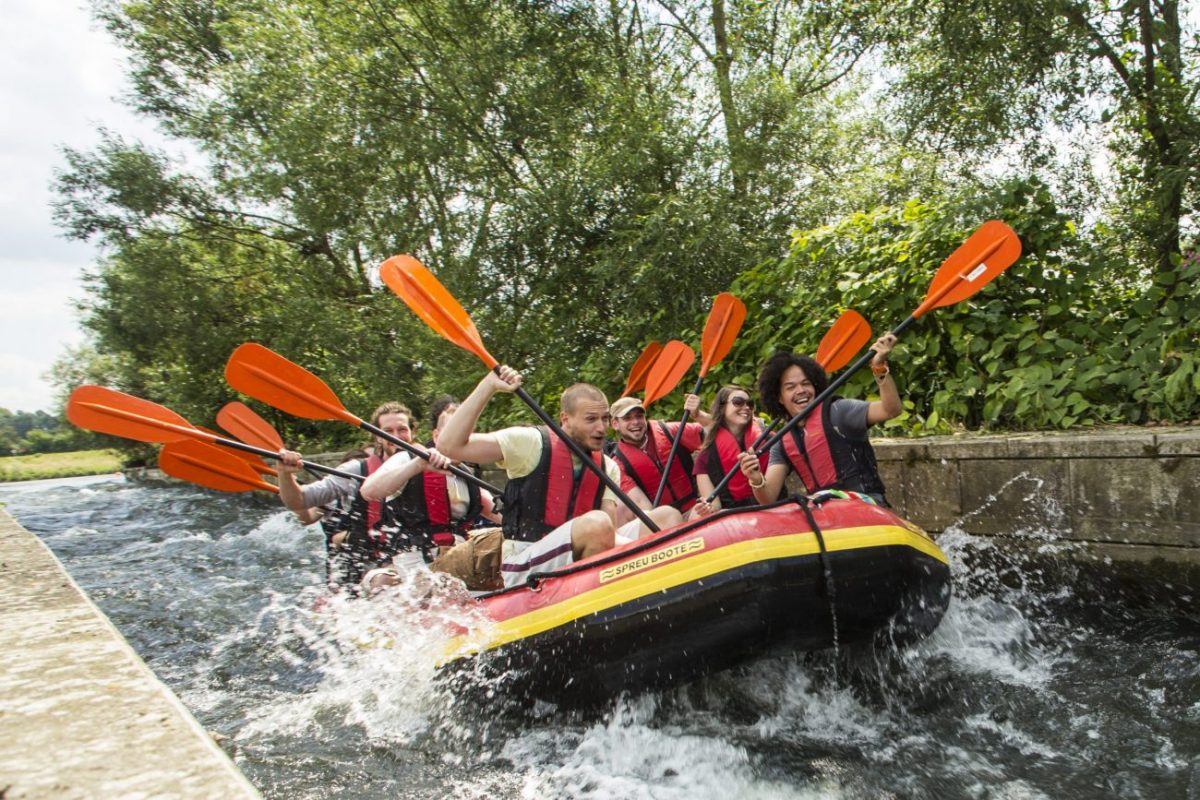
<point>1034,686</point>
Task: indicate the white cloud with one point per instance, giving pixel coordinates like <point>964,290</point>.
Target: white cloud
<point>62,74</point>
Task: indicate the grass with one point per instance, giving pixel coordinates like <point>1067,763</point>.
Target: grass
<point>59,465</point>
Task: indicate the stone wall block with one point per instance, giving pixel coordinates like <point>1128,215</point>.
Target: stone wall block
<point>1005,496</point>
<point>927,491</point>
<point>1138,501</point>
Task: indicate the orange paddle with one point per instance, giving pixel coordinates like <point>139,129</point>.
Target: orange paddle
<point>985,254</point>
<point>209,466</point>
<point>724,321</point>
<point>103,410</point>
<point>429,300</point>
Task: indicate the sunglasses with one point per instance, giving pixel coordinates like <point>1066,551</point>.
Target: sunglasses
<point>738,402</point>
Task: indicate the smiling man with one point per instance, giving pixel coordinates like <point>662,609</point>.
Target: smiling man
<point>643,446</point>
<point>556,511</point>
<point>830,448</point>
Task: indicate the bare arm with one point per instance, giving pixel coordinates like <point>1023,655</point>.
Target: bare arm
<point>691,404</point>
<point>458,439</point>
<point>289,490</point>
<point>888,406</point>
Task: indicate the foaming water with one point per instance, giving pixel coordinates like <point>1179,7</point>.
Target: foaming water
<point>1032,687</point>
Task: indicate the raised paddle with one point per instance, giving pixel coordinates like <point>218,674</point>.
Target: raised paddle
<point>209,466</point>
<point>839,344</point>
<point>641,368</point>
<point>254,460</point>
<point>985,254</point>
<point>243,423</point>
<point>669,368</point>
<point>103,410</point>
<point>429,300</point>
<point>724,321</point>
<point>265,375</point>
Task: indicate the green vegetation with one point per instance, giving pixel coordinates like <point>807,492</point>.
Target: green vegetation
<point>584,176</point>
<point>59,465</point>
<point>39,432</point>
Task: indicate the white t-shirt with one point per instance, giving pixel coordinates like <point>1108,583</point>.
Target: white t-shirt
<point>456,487</point>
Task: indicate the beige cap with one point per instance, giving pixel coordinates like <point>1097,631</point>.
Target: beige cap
<point>624,405</point>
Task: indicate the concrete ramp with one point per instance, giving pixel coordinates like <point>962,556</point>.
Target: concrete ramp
<point>81,715</point>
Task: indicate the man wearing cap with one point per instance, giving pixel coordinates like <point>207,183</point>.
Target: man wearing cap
<point>642,448</point>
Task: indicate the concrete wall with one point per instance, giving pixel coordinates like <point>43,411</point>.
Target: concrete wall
<point>81,716</point>
<point>1131,494</point>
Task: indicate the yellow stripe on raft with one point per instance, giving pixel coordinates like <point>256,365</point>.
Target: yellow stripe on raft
<point>732,556</point>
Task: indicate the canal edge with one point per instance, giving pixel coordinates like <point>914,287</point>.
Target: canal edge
<point>81,714</point>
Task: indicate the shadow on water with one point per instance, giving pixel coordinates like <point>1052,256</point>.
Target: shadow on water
<point>1041,682</point>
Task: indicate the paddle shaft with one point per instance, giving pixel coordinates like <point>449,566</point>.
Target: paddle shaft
<point>662,482</point>
<point>466,475</point>
<point>838,383</point>
<point>583,456</point>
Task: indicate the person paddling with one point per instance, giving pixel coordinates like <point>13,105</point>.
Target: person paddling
<point>432,508</point>
<point>555,511</point>
<point>357,536</point>
<point>831,449</point>
<point>642,448</point>
<point>733,429</point>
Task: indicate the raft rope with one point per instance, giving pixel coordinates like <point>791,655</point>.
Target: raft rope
<point>806,504</point>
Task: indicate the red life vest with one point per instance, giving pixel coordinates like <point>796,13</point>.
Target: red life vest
<point>826,459</point>
<point>539,502</point>
<point>727,449</point>
<point>646,468</point>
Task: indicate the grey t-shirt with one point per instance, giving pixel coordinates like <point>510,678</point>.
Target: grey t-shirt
<point>849,418</point>
<point>332,488</point>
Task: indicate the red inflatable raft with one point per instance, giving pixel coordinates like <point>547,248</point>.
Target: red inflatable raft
<point>709,594</point>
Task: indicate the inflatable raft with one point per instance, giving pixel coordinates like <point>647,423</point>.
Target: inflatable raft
<point>706,595</point>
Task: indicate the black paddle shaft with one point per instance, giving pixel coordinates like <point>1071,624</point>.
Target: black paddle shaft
<point>804,412</point>
<point>662,482</point>
<point>466,475</point>
<point>308,465</point>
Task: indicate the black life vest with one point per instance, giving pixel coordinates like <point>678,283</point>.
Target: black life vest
<point>365,546</point>
<point>723,456</point>
<point>826,459</point>
<point>539,502</point>
<point>422,513</point>
<point>646,468</point>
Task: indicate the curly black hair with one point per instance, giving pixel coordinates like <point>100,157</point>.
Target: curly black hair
<point>771,375</point>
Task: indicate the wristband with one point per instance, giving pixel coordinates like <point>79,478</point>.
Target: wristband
<point>758,485</point>
<point>879,369</point>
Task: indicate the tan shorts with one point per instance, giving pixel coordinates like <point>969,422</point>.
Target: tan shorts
<point>476,562</point>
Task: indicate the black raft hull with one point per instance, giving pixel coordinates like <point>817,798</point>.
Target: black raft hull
<point>708,595</point>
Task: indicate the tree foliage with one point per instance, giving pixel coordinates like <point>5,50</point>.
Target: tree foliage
<point>584,175</point>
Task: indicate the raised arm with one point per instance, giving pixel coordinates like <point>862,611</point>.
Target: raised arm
<point>888,406</point>
<point>458,440</point>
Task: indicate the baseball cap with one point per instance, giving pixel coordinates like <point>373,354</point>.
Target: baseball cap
<point>624,405</point>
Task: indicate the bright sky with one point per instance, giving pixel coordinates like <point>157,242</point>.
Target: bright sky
<point>62,76</point>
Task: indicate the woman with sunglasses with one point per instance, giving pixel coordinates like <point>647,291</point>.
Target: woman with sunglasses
<point>733,430</point>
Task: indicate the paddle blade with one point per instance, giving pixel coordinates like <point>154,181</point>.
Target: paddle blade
<point>988,252</point>
<point>669,368</point>
<point>844,339</point>
<point>269,377</point>
<point>429,300</point>
<point>104,410</point>
<point>640,370</point>
<point>724,321</point>
<point>242,423</point>
<point>213,467</point>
